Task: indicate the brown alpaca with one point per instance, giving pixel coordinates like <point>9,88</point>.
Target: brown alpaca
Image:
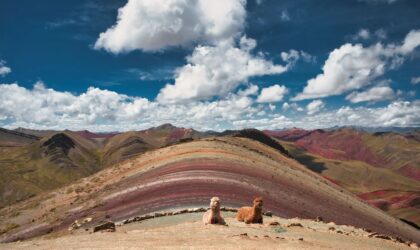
<point>213,216</point>
<point>251,214</point>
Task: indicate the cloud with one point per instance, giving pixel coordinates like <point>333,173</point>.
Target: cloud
<point>293,56</point>
<point>365,34</point>
<point>275,122</point>
<point>411,41</point>
<point>251,90</point>
<point>273,93</point>
<point>372,95</point>
<point>399,113</point>
<point>315,106</point>
<point>159,74</point>
<point>217,66</point>
<point>352,67</point>
<point>61,23</point>
<point>415,80</point>
<point>362,34</point>
<point>4,70</point>
<point>104,110</point>
<point>215,71</point>
<point>284,16</point>
<point>381,34</point>
<point>152,25</point>
<point>293,106</point>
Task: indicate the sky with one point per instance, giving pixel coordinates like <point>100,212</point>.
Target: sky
<point>209,64</point>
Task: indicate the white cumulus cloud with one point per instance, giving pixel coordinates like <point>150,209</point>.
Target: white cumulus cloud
<point>273,93</point>
<point>152,25</point>
<point>217,70</point>
<point>293,56</point>
<point>315,106</point>
<point>293,106</point>
<point>103,110</point>
<point>352,67</point>
<point>374,94</point>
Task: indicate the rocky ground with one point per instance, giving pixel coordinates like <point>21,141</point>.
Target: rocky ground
<point>186,231</point>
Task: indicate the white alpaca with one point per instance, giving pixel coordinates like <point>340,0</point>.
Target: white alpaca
<point>213,216</point>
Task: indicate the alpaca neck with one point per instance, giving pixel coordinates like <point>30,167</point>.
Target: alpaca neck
<point>256,210</point>
<point>214,211</point>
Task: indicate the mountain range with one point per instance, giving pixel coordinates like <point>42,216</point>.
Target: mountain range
<point>340,174</point>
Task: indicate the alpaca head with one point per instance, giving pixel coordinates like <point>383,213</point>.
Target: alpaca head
<point>258,202</point>
<point>215,203</point>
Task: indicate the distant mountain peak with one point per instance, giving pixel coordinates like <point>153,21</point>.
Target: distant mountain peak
<point>59,141</point>
<point>166,126</point>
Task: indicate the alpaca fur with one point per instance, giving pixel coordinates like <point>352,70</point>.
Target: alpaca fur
<point>213,215</point>
<point>251,214</point>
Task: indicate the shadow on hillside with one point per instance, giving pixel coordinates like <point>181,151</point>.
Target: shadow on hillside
<point>309,162</point>
<point>410,223</point>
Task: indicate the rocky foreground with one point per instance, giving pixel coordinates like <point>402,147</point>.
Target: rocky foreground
<point>186,231</point>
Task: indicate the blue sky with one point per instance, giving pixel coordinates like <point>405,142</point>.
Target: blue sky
<point>189,64</point>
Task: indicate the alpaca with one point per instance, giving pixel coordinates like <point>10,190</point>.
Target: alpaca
<point>251,214</point>
<point>213,216</point>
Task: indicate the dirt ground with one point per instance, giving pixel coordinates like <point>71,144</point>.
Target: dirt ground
<point>186,231</point>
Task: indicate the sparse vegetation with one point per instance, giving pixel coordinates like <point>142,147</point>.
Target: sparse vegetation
<point>279,229</point>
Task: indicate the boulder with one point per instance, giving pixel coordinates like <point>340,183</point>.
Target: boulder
<point>268,213</point>
<point>108,226</point>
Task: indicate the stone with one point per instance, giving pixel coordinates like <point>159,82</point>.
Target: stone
<point>75,225</point>
<point>87,220</point>
<point>413,245</point>
<point>147,216</point>
<point>108,226</point>
<point>296,224</point>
